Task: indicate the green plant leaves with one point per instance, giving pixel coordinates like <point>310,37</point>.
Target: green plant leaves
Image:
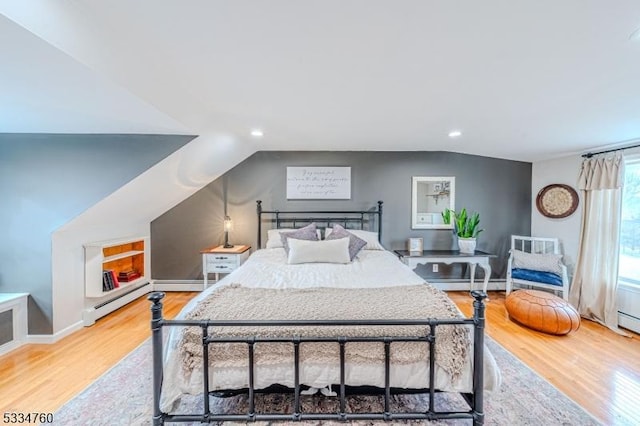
<point>446,216</point>
<point>466,226</point>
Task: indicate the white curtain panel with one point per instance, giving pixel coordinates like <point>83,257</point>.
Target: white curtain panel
<point>595,281</point>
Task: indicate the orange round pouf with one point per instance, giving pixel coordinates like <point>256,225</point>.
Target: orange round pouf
<point>542,311</point>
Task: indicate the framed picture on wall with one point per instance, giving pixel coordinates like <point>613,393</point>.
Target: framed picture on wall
<point>430,197</point>
<point>318,183</point>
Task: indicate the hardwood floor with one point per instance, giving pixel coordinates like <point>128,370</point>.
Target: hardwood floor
<point>43,377</point>
<point>597,368</point>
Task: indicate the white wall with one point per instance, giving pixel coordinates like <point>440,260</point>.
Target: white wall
<point>565,170</point>
<point>560,170</point>
<point>129,211</point>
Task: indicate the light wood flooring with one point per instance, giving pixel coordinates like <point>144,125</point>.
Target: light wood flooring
<point>43,377</point>
<point>597,368</point>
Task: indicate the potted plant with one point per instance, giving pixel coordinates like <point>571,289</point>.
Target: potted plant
<point>467,230</point>
<point>448,218</point>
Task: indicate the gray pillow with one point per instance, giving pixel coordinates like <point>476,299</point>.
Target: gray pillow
<point>308,233</point>
<point>355,243</point>
<point>547,262</point>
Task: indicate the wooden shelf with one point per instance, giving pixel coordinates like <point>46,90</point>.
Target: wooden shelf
<point>125,286</point>
<point>118,256</point>
<point>122,255</point>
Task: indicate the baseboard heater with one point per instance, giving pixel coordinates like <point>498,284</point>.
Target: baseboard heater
<point>90,315</point>
<point>629,306</point>
<point>629,322</point>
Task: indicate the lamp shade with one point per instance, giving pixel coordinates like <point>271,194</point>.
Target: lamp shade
<point>228,224</point>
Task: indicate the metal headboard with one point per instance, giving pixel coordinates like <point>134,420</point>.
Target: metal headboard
<point>323,218</point>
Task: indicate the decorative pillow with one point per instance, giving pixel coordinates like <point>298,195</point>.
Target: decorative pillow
<point>536,276</point>
<point>308,233</point>
<point>370,237</point>
<point>274,237</point>
<point>332,251</point>
<point>327,232</point>
<point>547,262</point>
<point>355,244</point>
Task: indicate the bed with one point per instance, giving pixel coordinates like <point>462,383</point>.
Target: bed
<point>362,325</point>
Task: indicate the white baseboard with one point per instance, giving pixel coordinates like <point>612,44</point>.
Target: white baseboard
<point>9,346</point>
<point>178,285</point>
<point>53,338</point>
<point>90,315</point>
<point>493,285</point>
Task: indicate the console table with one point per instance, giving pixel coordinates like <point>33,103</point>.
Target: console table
<point>478,258</point>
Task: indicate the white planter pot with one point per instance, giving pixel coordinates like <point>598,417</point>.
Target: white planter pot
<point>467,245</point>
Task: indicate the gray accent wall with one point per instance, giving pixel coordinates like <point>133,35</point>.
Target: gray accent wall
<point>500,190</point>
<point>47,180</point>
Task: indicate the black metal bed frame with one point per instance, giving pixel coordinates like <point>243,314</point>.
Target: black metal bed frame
<point>344,217</point>
<point>474,398</point>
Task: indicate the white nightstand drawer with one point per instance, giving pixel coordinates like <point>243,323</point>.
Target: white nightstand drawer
<point>222,259</point>
<point>222,267</point>
<point>218,260</point>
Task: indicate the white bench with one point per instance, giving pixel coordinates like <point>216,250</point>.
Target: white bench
<point>17,303</point>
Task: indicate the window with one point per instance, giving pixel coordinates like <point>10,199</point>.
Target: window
<point>629,272</point>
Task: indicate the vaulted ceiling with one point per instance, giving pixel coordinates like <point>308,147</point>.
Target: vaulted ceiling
<point>521,80</point>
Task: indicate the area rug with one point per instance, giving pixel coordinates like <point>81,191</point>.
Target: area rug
<point>122,396</point>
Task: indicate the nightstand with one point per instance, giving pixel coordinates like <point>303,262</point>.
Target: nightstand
<point>219,260</point>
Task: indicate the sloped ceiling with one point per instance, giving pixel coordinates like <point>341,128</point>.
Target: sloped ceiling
<point>43,90</point>
<point>521,80</point>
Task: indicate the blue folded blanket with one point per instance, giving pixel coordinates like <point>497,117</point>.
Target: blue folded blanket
<point>537,276</point>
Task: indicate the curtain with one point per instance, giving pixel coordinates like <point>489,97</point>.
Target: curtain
<point>595,280</point>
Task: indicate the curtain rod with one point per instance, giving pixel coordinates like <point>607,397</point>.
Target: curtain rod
<point>591,154</point>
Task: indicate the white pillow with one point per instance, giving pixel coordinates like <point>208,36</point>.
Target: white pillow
<point>370,237</point>
<point>547,262</point>
<point>274,240</point>
<point>332,251</point>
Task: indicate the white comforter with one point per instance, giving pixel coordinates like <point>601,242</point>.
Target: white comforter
<point>268,268</point>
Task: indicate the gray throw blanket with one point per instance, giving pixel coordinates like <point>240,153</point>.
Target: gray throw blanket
<point>235,302</point>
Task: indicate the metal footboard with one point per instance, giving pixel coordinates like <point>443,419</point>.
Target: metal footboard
<point>473,399</point>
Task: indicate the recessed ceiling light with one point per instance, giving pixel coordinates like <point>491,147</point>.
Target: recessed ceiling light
<point>257,133</point>
<point>455,133</point>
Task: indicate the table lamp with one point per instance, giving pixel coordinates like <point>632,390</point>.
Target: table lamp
<point>228,226</point>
